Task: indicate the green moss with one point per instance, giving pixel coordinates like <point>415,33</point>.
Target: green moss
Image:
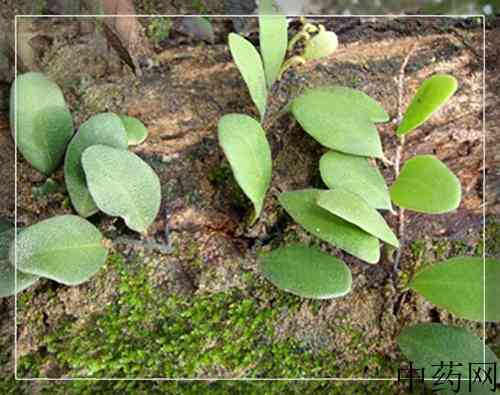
<point>217,388</point>
<point>200,7</point>
<point>12,387</point>
<point>159,29</point>
<point>143,333</point>
<point>441,248</point>
<point>429,251</point>
<point>492,237</point>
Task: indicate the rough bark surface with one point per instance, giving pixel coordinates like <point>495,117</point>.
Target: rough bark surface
<point>181,95</point>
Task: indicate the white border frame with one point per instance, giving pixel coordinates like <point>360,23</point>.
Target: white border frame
<point>244,379</point>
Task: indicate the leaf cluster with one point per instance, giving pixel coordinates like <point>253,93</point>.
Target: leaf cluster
<point>100,175</point>
<point>349,214</point>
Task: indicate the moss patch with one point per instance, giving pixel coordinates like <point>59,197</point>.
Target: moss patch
<point>492,237</point>
<point>144,333</point>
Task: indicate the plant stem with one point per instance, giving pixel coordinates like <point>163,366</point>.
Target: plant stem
<point>399,157</point>
<point>294,60</point>
<point>295,39</point>
<point>401,211</point>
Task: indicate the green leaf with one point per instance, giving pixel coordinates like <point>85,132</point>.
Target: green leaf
<point>273,34</point>
<point>321,45</point>
<point>355,174</point>
<point>245,145</point>
<point>44,123</point>
<point>306,272</point>
<point>122,185</point>
<point>7,280</point>
<point>105,129</point>
<point>354,209</point>
<point>426,185</point>
<point>248,61</point>
<point>136,131</point>
<point>341,119</point>
<point>457,286</point>
<point>429,344</point>
<point>302,207</point>
<point>66,248</point>
<point>430,97</point>
<point>7,270</point>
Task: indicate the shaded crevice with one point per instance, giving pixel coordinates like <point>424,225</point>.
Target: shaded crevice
<point>434,315</point>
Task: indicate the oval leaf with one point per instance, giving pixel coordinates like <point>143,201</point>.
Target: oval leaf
<point>429,344</point>
<point>457,286</point>
<point>67,249</point>
<point>355,174</point>
<point>340,119</point>
<point>306,272</point>
<point>245,145</point>
<point>7,279</point>
<point>354,209</point>
<point>44,123</point>
<point>273,35</point>
<point>104,129</point>
<point>136,131</point>
<point>7,270</point>
<point>122,185</point>
<point>302,207</point>
<point>430,97</point>
<point>248,61</point>
<point>321,45</point>
<point>426,185</point>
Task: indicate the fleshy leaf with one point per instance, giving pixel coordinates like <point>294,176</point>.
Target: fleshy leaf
<point>248,61</point>
<point>307,272</point>
<point>426,185</point>
<point>321,45</point>
<point>430,97</point>
<point>105,129</point>
<point>355,174</point>
<point>457,286</point>
<point>302,207</point>
<point>122,185</point>
<point>341,119</point>
<point>7,270</point>
<point>273,34</point>
<point>66,248</point>
<point>44,123</point>
<point>429,344</point>
<point>136,131</point>
<point>247,150</point>
<point>354,209</point>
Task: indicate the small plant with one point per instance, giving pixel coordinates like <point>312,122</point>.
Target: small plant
<point>468,288</point>
<point>428,345</point>
<point>100,175</point>
<point>343,121</point>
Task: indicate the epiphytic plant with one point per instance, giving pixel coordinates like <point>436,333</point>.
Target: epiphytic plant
<point>427,345</point>
<point>99,172</point>
<point>343,120</point>
<point>468,288</point>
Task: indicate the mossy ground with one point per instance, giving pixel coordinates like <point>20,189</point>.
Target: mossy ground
<point>146,334</point>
